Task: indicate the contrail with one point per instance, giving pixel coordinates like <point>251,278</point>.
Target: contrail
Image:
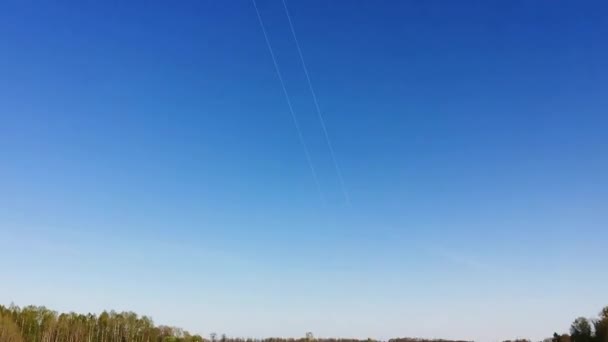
<point>293,114</point>
<point>319,114</point>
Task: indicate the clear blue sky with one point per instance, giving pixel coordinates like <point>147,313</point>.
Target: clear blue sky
<point>148,162</point>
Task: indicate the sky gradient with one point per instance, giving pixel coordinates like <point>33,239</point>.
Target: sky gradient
<point>148,162</point>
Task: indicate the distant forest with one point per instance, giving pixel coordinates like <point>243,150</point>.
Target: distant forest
<point>39,324</point>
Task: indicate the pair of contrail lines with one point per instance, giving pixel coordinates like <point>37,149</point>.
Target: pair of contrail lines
<point>319,114</point>
<point>288,100</point>
<point>314,97</point>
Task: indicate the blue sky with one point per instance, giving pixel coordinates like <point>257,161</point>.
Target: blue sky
<point>148,162</point>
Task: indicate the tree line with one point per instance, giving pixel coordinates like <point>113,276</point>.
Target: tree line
<point>586,330</point>
<point>582,330</point>
<point>39,324</point>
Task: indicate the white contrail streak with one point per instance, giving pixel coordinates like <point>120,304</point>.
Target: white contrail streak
<point>288,100</point>
<point>319,114</point>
